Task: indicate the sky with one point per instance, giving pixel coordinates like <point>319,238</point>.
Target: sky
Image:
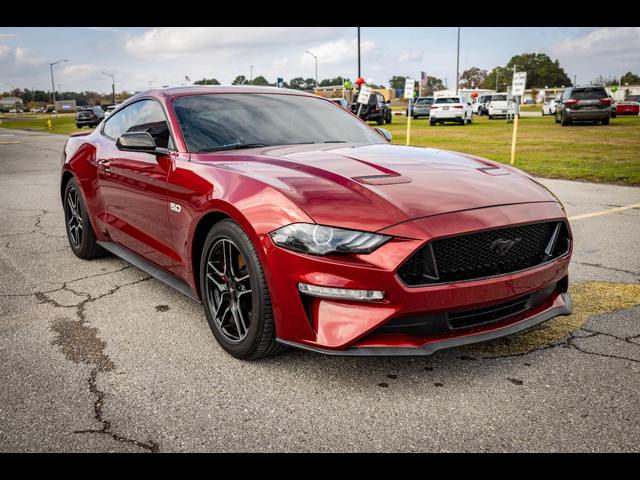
<point>166,55</point>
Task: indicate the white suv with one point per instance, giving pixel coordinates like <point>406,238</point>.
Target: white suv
<point>500,107</point>
<point>451,109</point>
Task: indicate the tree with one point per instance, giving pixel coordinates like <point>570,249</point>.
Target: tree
<point>605,81</point>
<point>207,81</point>
<point>398,83</point>
<point>241,80</point>
<point>541,69</point>
<point>631,79</point>
<point>262,82</point>
<point>472,78</point>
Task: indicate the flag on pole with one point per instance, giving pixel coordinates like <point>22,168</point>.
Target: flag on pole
<point>424,82</point>
<point>187,79</point>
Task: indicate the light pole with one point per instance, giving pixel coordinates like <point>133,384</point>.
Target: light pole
<point>458,70</point>
<point>53,84</point>
<point>60,91</point>
<point>251,74</point>
<point>150,85</point>
<point>620,80</point>
<point>114,85</point>
<point>359,55</point>
<point>317,84</point>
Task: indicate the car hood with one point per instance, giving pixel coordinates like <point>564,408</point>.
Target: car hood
<point>377,186</point>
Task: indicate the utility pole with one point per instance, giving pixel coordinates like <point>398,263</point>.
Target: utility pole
<point>317,84</point>
<point>53,85</point>
<point>60,90</point>
<point>150,85</point>
<point>359,57</point>
<point>251,74</point>
<point>620,79</point>
<point>113,78</point>
<point>458,70</point>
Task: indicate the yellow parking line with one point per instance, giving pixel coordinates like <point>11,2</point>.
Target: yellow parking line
<point>606,212</point>
<point>10,143</point>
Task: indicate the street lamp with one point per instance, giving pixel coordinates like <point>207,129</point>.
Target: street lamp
<point>458,68</point>
<point>114,85</point>
<point>60,90</point>
<point>53,84</point>
<point>620,81</point>
<point>317,84</point>
<point>251,74</point>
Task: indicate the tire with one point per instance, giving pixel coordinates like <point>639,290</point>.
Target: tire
<point>565,122</point>
<point>380,121</point>
<point>246,328</point>
<point>557,119</point>
<point>390,119</point>
<point>490,117</point>
<point>82,238</point>
<point>433,123</point>
<point>606,122</point>
<point>464,122</point>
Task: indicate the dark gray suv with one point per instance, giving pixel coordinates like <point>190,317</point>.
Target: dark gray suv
<point>584,104</point>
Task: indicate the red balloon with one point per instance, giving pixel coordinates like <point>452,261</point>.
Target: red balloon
<point>360,81</point>
<point>475,95</point>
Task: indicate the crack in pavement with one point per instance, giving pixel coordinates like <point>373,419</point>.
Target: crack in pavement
<point>80,343</point>
<point>595,265</point>
<point>569,342</point>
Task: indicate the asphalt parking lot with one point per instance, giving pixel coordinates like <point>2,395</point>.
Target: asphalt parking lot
<point>98,357</point>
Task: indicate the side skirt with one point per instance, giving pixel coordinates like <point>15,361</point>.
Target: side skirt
<point>146,267</point>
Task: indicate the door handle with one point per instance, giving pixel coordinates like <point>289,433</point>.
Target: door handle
<point>104,165</point>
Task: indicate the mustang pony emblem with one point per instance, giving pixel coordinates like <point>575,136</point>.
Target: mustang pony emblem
<point>504,246</point>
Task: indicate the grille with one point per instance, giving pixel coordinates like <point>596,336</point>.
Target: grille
<point>487,254</point>
<point>493,313</point>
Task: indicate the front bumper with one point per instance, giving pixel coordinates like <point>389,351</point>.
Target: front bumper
<point>348,328</point>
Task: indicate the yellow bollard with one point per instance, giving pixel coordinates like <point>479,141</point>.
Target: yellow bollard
<point>50,124</point>
<point>515,140</point>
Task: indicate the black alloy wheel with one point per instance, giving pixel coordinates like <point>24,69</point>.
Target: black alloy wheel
<point>236,296</point>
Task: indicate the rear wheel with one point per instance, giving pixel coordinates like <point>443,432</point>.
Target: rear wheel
<point>565,121</point>
<point>433,123</point>
<point>606,122</point>
<point>490,117</point>
<point>82,238</point>
<point>380,120</point>
<point>236,296</point>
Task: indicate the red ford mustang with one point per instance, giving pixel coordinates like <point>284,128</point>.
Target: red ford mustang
<point>298,225</point>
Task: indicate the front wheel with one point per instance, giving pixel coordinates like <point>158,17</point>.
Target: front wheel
<point>82,238</point>
<point>236,296</point>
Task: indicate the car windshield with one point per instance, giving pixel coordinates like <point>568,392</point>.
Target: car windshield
<point>211,122</point>
<point>424,101</point>
<point>500,98</point>
<point>449,101</point>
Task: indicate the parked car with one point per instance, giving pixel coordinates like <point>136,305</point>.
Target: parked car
<point>614,107</point>
<point>109,111</point>
<point>550,108</point>
<point>481,105</point>
<point>500,106</point>
<point>584,104</point>
<point>89,117</point>
<point>342,102</point>
<point>422,107</point>
<point>632,98</point>
<point>451,109</point>
<point>378,110</point>
<point>323,237</point>
<point>628,108</point>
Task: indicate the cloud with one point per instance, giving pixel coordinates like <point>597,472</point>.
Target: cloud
<point>7,37</point>
<point>339,52</point>
<point>415,55</point>
<point>622,41</point>
<point>221,43</point>
<point>105,29</point>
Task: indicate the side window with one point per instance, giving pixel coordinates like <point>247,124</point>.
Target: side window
<point>144,116</point>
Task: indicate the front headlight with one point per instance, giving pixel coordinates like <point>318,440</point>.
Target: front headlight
<point>319,240</point>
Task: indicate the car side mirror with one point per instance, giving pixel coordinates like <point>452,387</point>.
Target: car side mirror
<point>140,142</point>
<point>385,133</point>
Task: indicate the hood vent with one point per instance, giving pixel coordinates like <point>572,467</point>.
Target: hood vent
<point>383,180</point>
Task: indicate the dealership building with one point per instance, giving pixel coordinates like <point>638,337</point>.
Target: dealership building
<point>9,103</point>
